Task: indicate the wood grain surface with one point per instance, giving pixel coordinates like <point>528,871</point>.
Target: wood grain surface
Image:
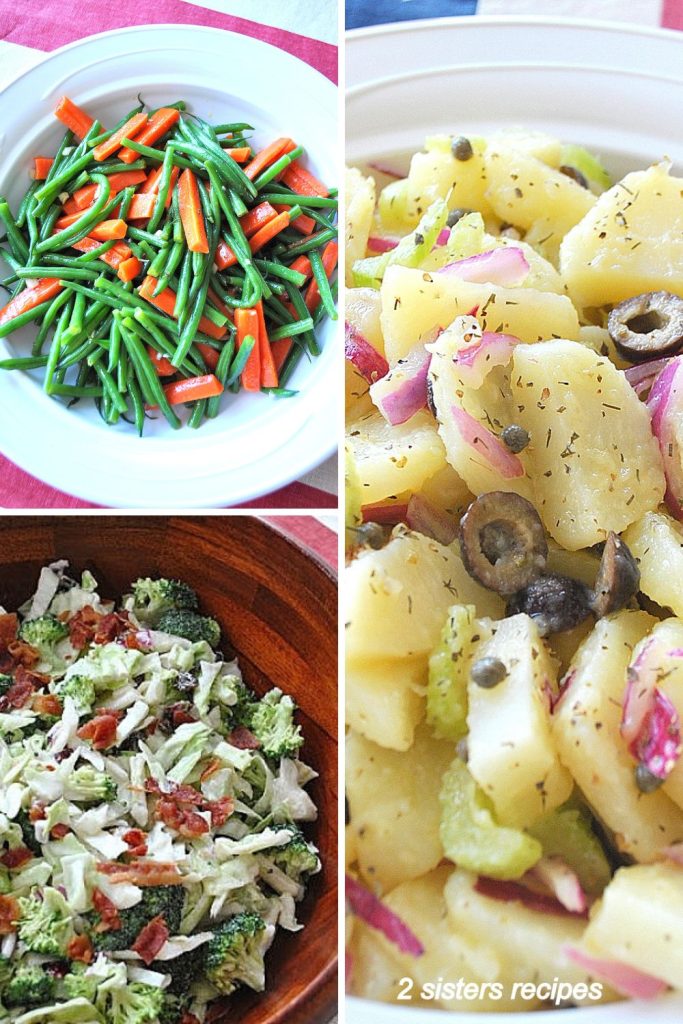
<point>277,606</point>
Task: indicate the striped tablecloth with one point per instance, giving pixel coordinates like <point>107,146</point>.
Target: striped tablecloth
<point>30,28</point>
<point>664,13</point>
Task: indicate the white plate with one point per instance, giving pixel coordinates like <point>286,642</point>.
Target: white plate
<point>610,87</point>
<point>257,444</point>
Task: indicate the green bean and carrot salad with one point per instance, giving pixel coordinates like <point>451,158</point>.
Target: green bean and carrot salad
<point>165,261</point>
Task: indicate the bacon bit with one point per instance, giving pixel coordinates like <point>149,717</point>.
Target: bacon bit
<point>132,642</point>
<point>47,704</point>
<point>59,830</point>
<point>83,626</point>
<point>37,679</point>
<point>186,822</point>
<point>101,730</point>
<point>9,624</point>
<point>189,1018</point>
<point>220,810</point>
<point>211,769</point>
<point>36,812</point>
<point>114,712</point>
<point>151,939</point>
<point>180,716</point>
<point>182,794</point>
<point>135,838</point>
<point>19,693</point>
<point>16,857</point>
<point>110,920</point>
<point>243,738</point>
<point>23,653</point>
<point>80,948</point>
<point>142,872</point>
<point>9,915</point>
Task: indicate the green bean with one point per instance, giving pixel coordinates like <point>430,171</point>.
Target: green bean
<point>140,235</point>
<point>14,236</point>
<point>277,168</point>
<point>49,318</point>
<point>76,323</point>
<point>183,293</point>
<point>55,348</point>
<point>291,330</point>
<point>122,370</point>
<point>238,205</point>
<point>23,363</point>
<point>109,386</point>
<point>66,273</point>
<point>71,167</point>
<point>94,254</point>
<point>114,345</point>
<point>164,186</point>
<point>206,203</point>
<point>126,197</point>
<point>323,283</point>
<point>172,264</point>
<point>286,195</point>
<point>118,166</point>
<point>314,241</point>
<point>49,221</point>
<point>154,154</point>
<point>191,325</point>
<point>193,365</point>
<point>279,392</point>
<point>138,405</point>
<point>9,259</point>
<point>160,260</point>
<point>290,365</point>
<point>90,217</point>
<point>223,129</point>
<point>74,391</point>
<point>280,270</point>
<point>301,310</point>
<point>147,375</point>
<point>24,318</point>
<point>26,202</point>
<point>178,232</point>
<point>221,372</point>
<point>197,414</point>
<point>225,166</point>
<point>240,360</point>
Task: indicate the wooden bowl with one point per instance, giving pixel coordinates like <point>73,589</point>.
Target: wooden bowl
<point>277,605</point>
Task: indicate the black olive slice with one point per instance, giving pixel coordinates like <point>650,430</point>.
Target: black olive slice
<point>618,578</point>
<point>575,174</point>
<point>647,325</point>
<point>502,541</point>
<point>555,603</point>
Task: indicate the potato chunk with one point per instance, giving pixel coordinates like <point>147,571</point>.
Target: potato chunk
<point>630,242</point>
<point>360,206</point>
<point>586,729</point>
<point>394,807</point>
<point>656,542</point>
<point>385,699</point>
<point>593,460</point>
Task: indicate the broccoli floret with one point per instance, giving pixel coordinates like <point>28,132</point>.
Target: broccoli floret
<point>191,626</point>
<point>77,984</point>
<point>88,785</point>
<point>241,712</point>
<point>166,900</point>
<point>28,986</point>
<point>6,969</point>
<point>272,722</point>
<point>44,633</point>
<point>151,598</point>
<point>234,955</point>
<point>45,922</point>
<point>174,1006</point>
<point>81,690</point>
<point>5,683</point>
<point>28,832</point>
<point>183,970</point>
<point>298,859</point>
<point>137,1003</point>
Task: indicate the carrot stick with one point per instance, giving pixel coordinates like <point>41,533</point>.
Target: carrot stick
<point>280,349</point>
<point>210,355</point>
<point>85,196</point>
<point>303,223</point>
<point>193,389</point>
<point>265,157</point>
<point>302,181</point>
<point>224,257</point>
<point>247,322</point>
<point>128,131</point>
<point>269,377</point>
<point>302,265</point>
<point>73,117</point>
<point>268,231</point>
<point>191,215</point>
<point>165,301</point>
<point>256,218</point>
<point>118,253</point>
<point>46,288</point>
<point>329,261</point>
<point>109,230</point>
<point>161,121</point>
<point>142,206</point>
<point>128,269</point>
<point>41,167</point>
<point>220,306</point>
<point>152,182</point>
<point>163,366</point>
<point>239,154</point>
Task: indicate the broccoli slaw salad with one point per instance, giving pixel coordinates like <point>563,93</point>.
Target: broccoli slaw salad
<point>149,803</point>
<point>514,633</point>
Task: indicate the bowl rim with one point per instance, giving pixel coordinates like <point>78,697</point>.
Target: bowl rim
<point>284,464</point>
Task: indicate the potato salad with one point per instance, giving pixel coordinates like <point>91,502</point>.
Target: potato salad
<point>514,619</point>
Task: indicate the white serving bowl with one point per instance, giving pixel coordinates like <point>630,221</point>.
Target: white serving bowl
<point>257,443</point>
<point>612,88</point>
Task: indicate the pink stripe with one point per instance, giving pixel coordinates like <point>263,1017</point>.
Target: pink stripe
<point>672,14</point>
<point>46,26</point>
<point>295,496</point>
<point>311,533</point>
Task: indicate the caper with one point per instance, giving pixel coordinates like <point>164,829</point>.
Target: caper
<point>618,578</point>
<point>555,603</point>
<point>457,214</point>
<point>502,541</point>
<point>575,174</point>
<point>647,325</point>
<point>488,672</point>
<point>461,148</point>
<point>646,781</point>
<point>515,438</point>
<point>371,535</point>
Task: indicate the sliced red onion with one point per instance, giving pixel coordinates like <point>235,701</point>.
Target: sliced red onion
<point>475,361</point>
<point>677,652</point>
<point>367,360</point>
<point>144,637</point>
<point>641,685</point>
<point>432,522</point>
<point>383,169</point>
<point>377,244</point>
<point>376,914</point>
<point>562,882</point>
<point>658,746</point>
<point>666,408</point>
<point>626,980</point>
<point>507,266</point>
<point>385,515</point>
<point>499,458</point>
<point>565,684</point>
<point>644,371</point>
<point>442,237</point>
<point>507,891</point>
<point>403,391</point>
